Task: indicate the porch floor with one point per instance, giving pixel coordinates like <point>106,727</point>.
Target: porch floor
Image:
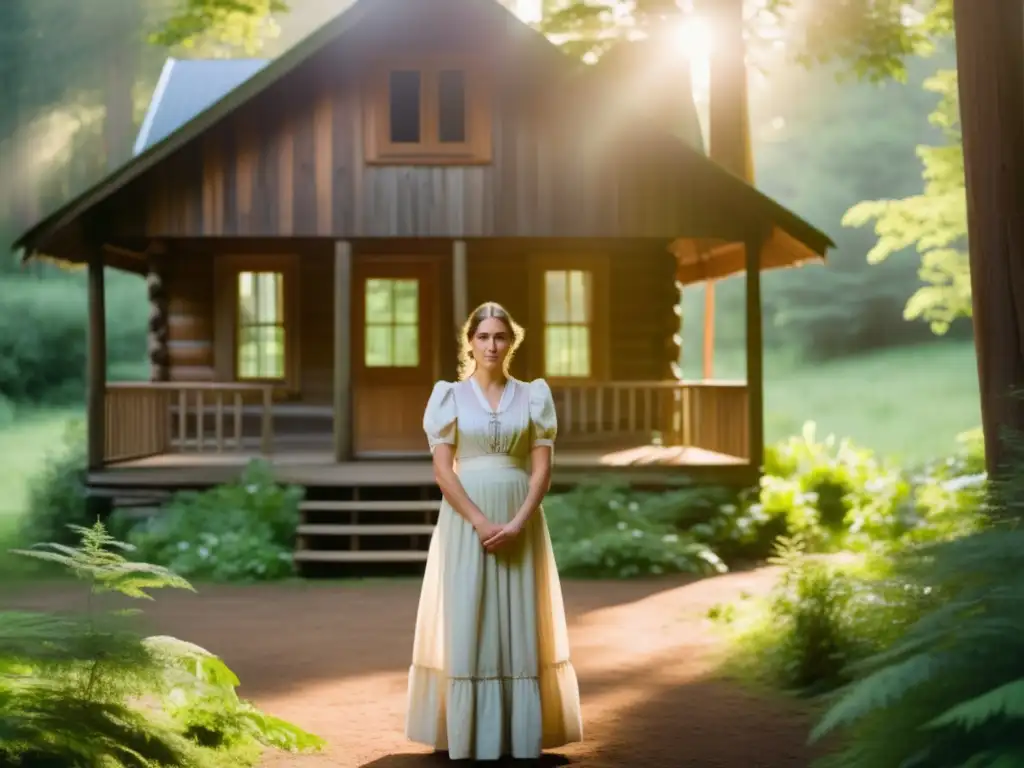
<point>318,468</point>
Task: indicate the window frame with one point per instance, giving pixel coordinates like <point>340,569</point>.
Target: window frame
<point>598,266</point>
<point>227,329</point>
<point>477,149</point>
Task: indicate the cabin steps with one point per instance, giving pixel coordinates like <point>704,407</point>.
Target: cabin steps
<point>364,531</point>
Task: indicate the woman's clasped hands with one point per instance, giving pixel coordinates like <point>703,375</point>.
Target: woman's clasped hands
<point>494,536</point>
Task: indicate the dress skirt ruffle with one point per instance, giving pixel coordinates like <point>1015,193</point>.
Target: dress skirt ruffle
<point>491,674</point>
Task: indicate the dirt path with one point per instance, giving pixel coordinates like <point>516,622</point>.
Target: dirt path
<point>333,658</point>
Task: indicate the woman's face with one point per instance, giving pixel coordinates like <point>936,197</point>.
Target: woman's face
<point>491,344</point>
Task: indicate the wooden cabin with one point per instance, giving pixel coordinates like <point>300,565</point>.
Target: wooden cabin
<point>315,229</point>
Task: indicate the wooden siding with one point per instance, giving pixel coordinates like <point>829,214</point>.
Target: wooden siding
<point>290,163</point>
<point>190,309</point>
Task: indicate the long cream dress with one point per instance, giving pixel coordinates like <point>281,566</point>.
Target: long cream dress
<point>490,671</point>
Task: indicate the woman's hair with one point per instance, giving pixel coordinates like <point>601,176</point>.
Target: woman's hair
<point>486,310</point>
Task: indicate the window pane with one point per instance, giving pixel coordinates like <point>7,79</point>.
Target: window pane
<point>379,352</point>
<point>451,99</point>
<point>579,297</point>
<point>379,305</point>
<point>407,304</point>
<point>404,96</point>
<point>271,352</point>
<point>555,309</point>
<point>246,299</point>
<point>567,350</point>
<point>407,346</point>
<point>269,297</point>
<point>580,349</point>
<point>248,366</point>
<point>261,352</point>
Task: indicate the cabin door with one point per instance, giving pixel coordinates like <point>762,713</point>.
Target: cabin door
<point>394,351</point>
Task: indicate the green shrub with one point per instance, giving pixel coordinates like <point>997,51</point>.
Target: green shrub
<point>607,530</point>
<point>832,493</point>
<point>90,692</point>
<point>240,531</point>
<point>43,333</point>
<point>840,497</point>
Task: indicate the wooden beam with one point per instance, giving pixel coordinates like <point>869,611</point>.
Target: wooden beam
<point>342,350</point>
<point>755,352</point>
<point>96,363</point>
<point>460,284</point>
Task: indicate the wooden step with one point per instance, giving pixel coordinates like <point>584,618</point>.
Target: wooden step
<point>330,529</point>
<point>360,556</point>
<point>369,506</point>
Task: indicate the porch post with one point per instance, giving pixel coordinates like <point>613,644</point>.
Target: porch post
<point>460,284</point>
<point>755,349</point>
<point>96,363</point>
<point>342,350</point>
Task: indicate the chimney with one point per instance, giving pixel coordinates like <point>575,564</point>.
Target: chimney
<point>729,122</point>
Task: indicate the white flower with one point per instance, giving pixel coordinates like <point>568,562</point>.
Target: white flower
<point>182,546</point>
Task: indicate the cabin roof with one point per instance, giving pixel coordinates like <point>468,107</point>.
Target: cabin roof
<point>186,88</point>
<point>193,96</point>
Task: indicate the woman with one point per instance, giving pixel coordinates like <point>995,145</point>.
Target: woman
<point>490,672</point>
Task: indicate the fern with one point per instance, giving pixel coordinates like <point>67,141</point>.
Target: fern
<point>949,692</point>
<point>90,692</point>
<point>1004,701</point>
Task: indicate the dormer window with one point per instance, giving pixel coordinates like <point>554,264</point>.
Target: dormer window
<point>428,113</point>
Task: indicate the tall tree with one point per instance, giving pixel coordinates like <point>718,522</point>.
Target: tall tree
<point>990,61</point>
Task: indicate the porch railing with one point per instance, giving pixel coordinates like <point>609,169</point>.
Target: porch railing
<point>711,415</point>
<point>149,418</point>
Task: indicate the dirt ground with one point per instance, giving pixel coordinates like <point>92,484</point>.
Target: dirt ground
<point>333,658</point>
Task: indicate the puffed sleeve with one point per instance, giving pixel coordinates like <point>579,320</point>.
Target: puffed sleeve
<point>439,419</point>
<point>543,421</point>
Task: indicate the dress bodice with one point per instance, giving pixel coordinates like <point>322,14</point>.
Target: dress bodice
<point>458,414</point>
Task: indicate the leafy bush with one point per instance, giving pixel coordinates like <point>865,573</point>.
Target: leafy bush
<point>822,616</point>
<point>90,692</point>
<point>837,496</point>
<point>235,532</point>
<point>43,333</point>
<point>602,529</point>
<point>948,691</point>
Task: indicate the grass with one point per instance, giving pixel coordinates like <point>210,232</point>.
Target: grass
<point>908,403</point>
<point>25,444</point>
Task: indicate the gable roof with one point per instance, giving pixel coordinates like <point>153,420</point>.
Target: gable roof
<point>186,88</point>
<point>176,118</point>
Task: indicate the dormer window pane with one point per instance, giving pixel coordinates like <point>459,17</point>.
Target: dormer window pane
<point>451,98</point>
<point>405,87</point>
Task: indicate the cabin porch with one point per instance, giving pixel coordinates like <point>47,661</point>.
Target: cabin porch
<point>200,433</point>
<point>161,437</point>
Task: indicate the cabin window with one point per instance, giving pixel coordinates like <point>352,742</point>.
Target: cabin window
<point>405,105</point>
<point>261,326</point>
<point>568,297</point>
<point>392,323</point>
<point>428,113</point>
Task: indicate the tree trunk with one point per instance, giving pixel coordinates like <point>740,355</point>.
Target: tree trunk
<point>990,62</point>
